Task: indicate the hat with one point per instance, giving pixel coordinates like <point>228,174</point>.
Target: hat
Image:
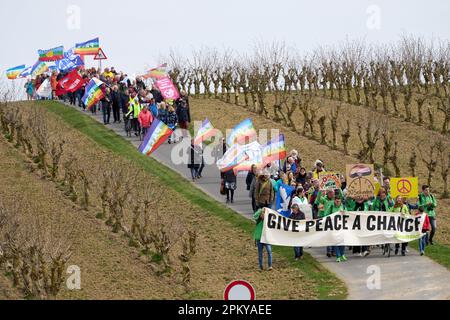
<point>319,163</point>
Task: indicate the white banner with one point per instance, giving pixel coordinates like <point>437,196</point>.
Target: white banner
<point>341,229</point>
<point>45,90</point>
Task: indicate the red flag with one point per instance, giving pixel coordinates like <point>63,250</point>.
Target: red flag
<point>70,83</point>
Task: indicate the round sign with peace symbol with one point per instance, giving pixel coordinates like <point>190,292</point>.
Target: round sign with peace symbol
<point>404,186</point>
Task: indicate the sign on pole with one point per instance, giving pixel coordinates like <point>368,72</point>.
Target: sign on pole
<point>405,187</point>
<point>100,55</point>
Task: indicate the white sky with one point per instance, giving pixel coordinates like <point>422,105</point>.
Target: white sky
<point>134,33</point>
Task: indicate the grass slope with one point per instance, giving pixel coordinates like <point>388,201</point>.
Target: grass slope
<point>328,285</point>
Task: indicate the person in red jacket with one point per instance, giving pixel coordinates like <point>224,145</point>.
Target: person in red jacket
<point>145,120</point>
<point>426,227</point>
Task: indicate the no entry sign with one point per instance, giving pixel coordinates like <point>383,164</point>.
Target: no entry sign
<point>239,290</point>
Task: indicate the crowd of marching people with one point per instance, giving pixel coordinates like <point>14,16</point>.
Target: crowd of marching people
<point>132,102</point>
<point>263,185</point>
<point>137,106</point>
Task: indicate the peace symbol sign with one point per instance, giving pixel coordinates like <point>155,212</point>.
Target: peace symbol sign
<point>404,186</point>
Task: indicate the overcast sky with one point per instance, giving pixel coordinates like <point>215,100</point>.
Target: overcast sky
<point>134,33</point>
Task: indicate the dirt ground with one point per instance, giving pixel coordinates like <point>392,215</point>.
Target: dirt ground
<point>225,116</point>
<point>113,270</point>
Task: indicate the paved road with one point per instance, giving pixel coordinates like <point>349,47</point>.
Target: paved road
<point>372,278</point>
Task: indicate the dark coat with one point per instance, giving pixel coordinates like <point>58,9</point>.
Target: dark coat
<point>183,111</point>
<point>196,157</point>
<point>249,179</point>
<point>157,96</point>
<point>124,101</point>
<point>229,177</point>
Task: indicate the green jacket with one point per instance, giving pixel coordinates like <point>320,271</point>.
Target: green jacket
<point>327,203</point>
<point>259,225</point>
<point>333,209</point>
<point>350,205</point>
<point>403,210</point>
<point>424,201</point>
<point>376,205</point>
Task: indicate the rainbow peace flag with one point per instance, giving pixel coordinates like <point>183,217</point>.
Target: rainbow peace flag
<point>274,150</point>
<point>232,158</point>
<point>93,93</point>
<point>15,72</point>
<point>205,132</point>
<point>157,73</point>
<point>51,54</point>
<point>39,68</point>
<point>90,47</point>
<point>242,132</point>
<point>158,133</point>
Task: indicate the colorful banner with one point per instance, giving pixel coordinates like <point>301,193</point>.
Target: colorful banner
<point>405,187</point>
<point>283,200</point>
<point>158,133</point>
<point>39,68</point>
<point>51,54</point>
<point>157,73</point>
<point>243,133</point>
<point>88,48</point>
<point>360,181</point>
<point>15,72</point>
<point>275,150</point>
<point>205,132</point>
<point>93,93</point>
<point>167,88</point>
<point>342,229</point>
<point>232,158</point>
<point>329,180</point>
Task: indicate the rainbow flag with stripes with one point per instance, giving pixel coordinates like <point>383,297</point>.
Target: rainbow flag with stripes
<point>274,150</point>
<point>93,93</point>
<point>254,153</point>
<point>205,132</point>
<point>158,133</point>
<point>39,68</point>
<point>157,73</point>
<point>15,72</point>
<point>243,133</point>
<point>232,158</point>
<point>51,54</point>
<point>87,48</point>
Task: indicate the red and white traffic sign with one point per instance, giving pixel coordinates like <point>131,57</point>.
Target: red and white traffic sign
<point>239,290</point>
<point>100,55</point>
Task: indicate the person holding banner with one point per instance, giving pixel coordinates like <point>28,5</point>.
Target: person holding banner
<point>358,204</point>
<point>400,207</point>
<point>337,206</point>
<point>259,218</point>
<point>428,202</point>
<point>297,214</point>
<point>382,202</point>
